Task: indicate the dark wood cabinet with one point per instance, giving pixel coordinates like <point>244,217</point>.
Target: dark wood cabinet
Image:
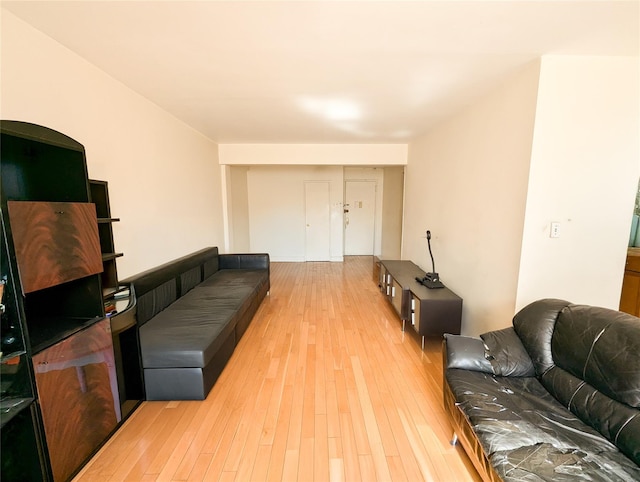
<point>60,397</point>
<point>21,444</point>
<point>54,242</point>
<point>77,387</point>
<point>630,296</point>
<point>22,456</point>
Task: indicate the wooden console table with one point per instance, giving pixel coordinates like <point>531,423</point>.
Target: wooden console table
<point>431,312</point>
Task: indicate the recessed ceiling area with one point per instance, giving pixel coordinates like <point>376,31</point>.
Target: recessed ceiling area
<point>325,71</point>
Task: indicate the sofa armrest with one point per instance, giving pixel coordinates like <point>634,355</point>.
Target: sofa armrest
<point>244,261</point>
<point>466,353</point>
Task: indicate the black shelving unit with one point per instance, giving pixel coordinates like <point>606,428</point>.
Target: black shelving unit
<point>120,306</point>
<point>22,439</point>
<point>57,361</point>
<point>100,197</point>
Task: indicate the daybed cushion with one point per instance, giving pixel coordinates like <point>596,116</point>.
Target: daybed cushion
<point>210,309</point>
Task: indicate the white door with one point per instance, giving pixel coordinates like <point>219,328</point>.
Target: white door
<point>318,221</point>
<point>359,217</point>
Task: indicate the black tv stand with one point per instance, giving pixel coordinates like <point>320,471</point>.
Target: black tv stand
<point>431,312</point>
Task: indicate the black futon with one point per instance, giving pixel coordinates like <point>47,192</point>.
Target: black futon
<point>191,313</point>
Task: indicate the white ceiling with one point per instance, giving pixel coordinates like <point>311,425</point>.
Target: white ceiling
<point>324,71</point>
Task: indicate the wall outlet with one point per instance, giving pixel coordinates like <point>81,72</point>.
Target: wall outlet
<point>554,232</point>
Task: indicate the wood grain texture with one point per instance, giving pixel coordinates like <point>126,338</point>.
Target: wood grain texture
<point>55,242</point>
<point>76,383</point>
<point>324,385</point>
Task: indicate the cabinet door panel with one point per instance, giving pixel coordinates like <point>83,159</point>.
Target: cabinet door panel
<point>630,290</point>
<point>77,387</point>
<point>396,298</point>
<point>54,242</point>
<point>416,315</point>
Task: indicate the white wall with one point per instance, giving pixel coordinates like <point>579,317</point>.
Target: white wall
<point>277,214</point>
<point>584,174</point>
<point>314,154</point>
<point>238,198</point>
<point>557,142</point>
<point>392,204</point>
<point>466,181</point>
<point>164,178</point>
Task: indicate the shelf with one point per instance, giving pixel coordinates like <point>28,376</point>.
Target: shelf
<point>8,357</point>
<point>114,292</point>
<point>124,292</point>
<point>100,197</point>
<point>56,329</point>
<point>10,407</point>
<point>109,276</point>
<point>110,256</point>
<point>49,165</point>
<point>124,316</point>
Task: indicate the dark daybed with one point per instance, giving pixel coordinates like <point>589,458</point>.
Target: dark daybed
<point>191,314</point>
<point>556,397</point>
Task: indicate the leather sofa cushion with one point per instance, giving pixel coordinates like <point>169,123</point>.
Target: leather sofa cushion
<point>467,353</point>
<point>189,279</point>
<point>506,353</point>
<point>616,421</point>
<point>534,324</point>
<point>244,261</point>
<point>189,332</point>
<point>153,302</point>
<point>498,352</point>
<point>236,277</point>
<point>165,343</point>
<point>546,462</point>
<point>518,422</point>
<point>154,277</point>
<point>601,347</point>
<point>210,267</point>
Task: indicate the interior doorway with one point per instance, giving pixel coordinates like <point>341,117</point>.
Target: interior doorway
<point>359,217</point>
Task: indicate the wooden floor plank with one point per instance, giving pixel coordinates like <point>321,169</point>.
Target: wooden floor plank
<point>321,449</point>
<point>261,464</point>
<point>324,385</point>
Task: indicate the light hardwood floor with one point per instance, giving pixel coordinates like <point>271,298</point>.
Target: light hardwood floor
<point>324,385</point>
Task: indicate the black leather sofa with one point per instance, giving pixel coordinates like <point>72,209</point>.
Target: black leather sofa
<point>555,397</point>
<point>191,313</point>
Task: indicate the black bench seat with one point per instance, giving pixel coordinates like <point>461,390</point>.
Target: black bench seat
<point>186,342</point>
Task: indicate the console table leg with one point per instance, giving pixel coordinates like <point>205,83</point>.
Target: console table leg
<point>423,342</point>
<point>403,325</point>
